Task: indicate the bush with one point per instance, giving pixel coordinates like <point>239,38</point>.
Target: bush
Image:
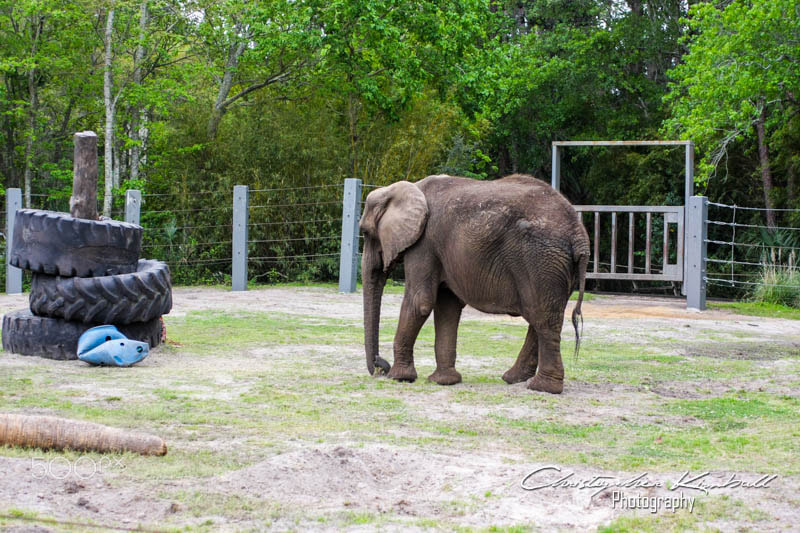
<point>779,284</point>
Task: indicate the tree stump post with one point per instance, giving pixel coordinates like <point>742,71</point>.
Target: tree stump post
<point>83,203</point>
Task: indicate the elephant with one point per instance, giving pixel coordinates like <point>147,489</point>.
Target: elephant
<point>509,246</point>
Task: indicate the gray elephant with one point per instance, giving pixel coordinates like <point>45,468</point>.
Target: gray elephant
<point>511,246</point>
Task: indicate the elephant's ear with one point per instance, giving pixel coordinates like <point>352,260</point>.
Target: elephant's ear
<point>396,216</point>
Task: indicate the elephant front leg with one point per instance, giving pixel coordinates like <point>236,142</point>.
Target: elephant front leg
<point>413,314</point>
<point>446,316</point>
<point>525,366</point>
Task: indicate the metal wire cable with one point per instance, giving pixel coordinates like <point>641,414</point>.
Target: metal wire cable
<point>733,262</point>
<point>297,188</point>
<point>296,239</point>
<point>197,261</point>
<point>266,206</point>
<point>735,225</point>
<point>206,209</point>
<point>295,222</point>
<point>153,194</point>
<point>185,244</point>
<point>165,228</point>
<point>753,208</point>
<point>752,245</point>
<point>280,258</point>
<point>732,283</point>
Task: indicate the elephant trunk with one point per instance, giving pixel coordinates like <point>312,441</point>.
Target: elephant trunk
<point>374,279</point>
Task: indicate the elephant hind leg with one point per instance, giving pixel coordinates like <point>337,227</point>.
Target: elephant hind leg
<point>524,367</point>
<point>446,316</point>
<point>550,372</point>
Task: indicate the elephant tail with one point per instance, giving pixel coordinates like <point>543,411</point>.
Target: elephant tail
<point>581,261</point>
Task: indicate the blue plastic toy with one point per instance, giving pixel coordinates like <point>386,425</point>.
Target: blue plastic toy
<point>106,345</point>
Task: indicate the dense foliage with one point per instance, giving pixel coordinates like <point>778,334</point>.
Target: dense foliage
<point>195,96</point>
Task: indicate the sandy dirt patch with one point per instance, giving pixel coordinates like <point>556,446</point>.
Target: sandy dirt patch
<point>418,487</point>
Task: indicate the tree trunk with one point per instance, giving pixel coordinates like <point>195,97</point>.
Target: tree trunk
<point>136,112</point>
<point>234,53</point>
<point>33,109</point>
<point>118,162</point>
<point>766,173</point>
<point>108,148</point>
<point>352,117</point>
<point>55,433</point>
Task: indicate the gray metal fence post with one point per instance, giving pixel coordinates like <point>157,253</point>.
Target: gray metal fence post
<point>13,274</point>
<point>240,218</point>
<point>133,206</point>
<point>696,232</point>
<point>351,213</point>
<point>555,178</point>
<point>688,192</point>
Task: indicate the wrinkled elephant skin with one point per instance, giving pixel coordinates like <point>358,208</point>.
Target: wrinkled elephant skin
<point>511,246</point>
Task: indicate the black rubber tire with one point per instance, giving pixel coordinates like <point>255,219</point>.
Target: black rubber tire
<point>122,299</point>
<point>47,242</point>
<point>53,338</point>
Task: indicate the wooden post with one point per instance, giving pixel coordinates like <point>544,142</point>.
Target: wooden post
<point>613,242</point>
<point>83,203</point>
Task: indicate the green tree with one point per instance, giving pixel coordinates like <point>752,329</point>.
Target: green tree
<point>738,83</point>
<point>251,45</point>
<point>575,70</point>
<point>44,62</point>
<point>379,54</point>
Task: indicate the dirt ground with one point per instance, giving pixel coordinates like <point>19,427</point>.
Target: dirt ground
<point>344,476</point>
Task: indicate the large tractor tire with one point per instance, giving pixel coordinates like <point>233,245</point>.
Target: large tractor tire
<point>121,299</point>
<point>53,243</point>
<point>53,338</point>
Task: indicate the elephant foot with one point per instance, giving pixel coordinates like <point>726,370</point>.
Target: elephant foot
<point>403,372</point>
<point>546,384</point>
<point>515,375</point>
<point>445,376</point>
<point>382,366</point>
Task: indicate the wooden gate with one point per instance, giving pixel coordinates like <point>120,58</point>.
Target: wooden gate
<point>665,271</point>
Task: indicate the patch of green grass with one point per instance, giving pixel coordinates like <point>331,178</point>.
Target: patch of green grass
<point>587,296</point>
<point>239,388</point>
<point>219,330</point>
<point>758,309</point>
<point>739,408</point>
<point>540,427</point>
<point>706,510</point>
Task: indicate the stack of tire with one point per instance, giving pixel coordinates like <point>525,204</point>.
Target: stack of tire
<point>85,273</point>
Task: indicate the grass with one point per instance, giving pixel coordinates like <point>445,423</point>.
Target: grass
<point>233,389</point>
<point>779,283</point>
<point>771,310</point>
<point>706,510</point>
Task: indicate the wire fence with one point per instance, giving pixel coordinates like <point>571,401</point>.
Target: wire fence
<point>746,256</point>
<point>293,233</point>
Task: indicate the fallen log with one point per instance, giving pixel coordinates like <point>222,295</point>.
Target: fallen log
<point>54,433</point>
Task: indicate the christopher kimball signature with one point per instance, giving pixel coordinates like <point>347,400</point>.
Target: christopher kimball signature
<point>553,477</point>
